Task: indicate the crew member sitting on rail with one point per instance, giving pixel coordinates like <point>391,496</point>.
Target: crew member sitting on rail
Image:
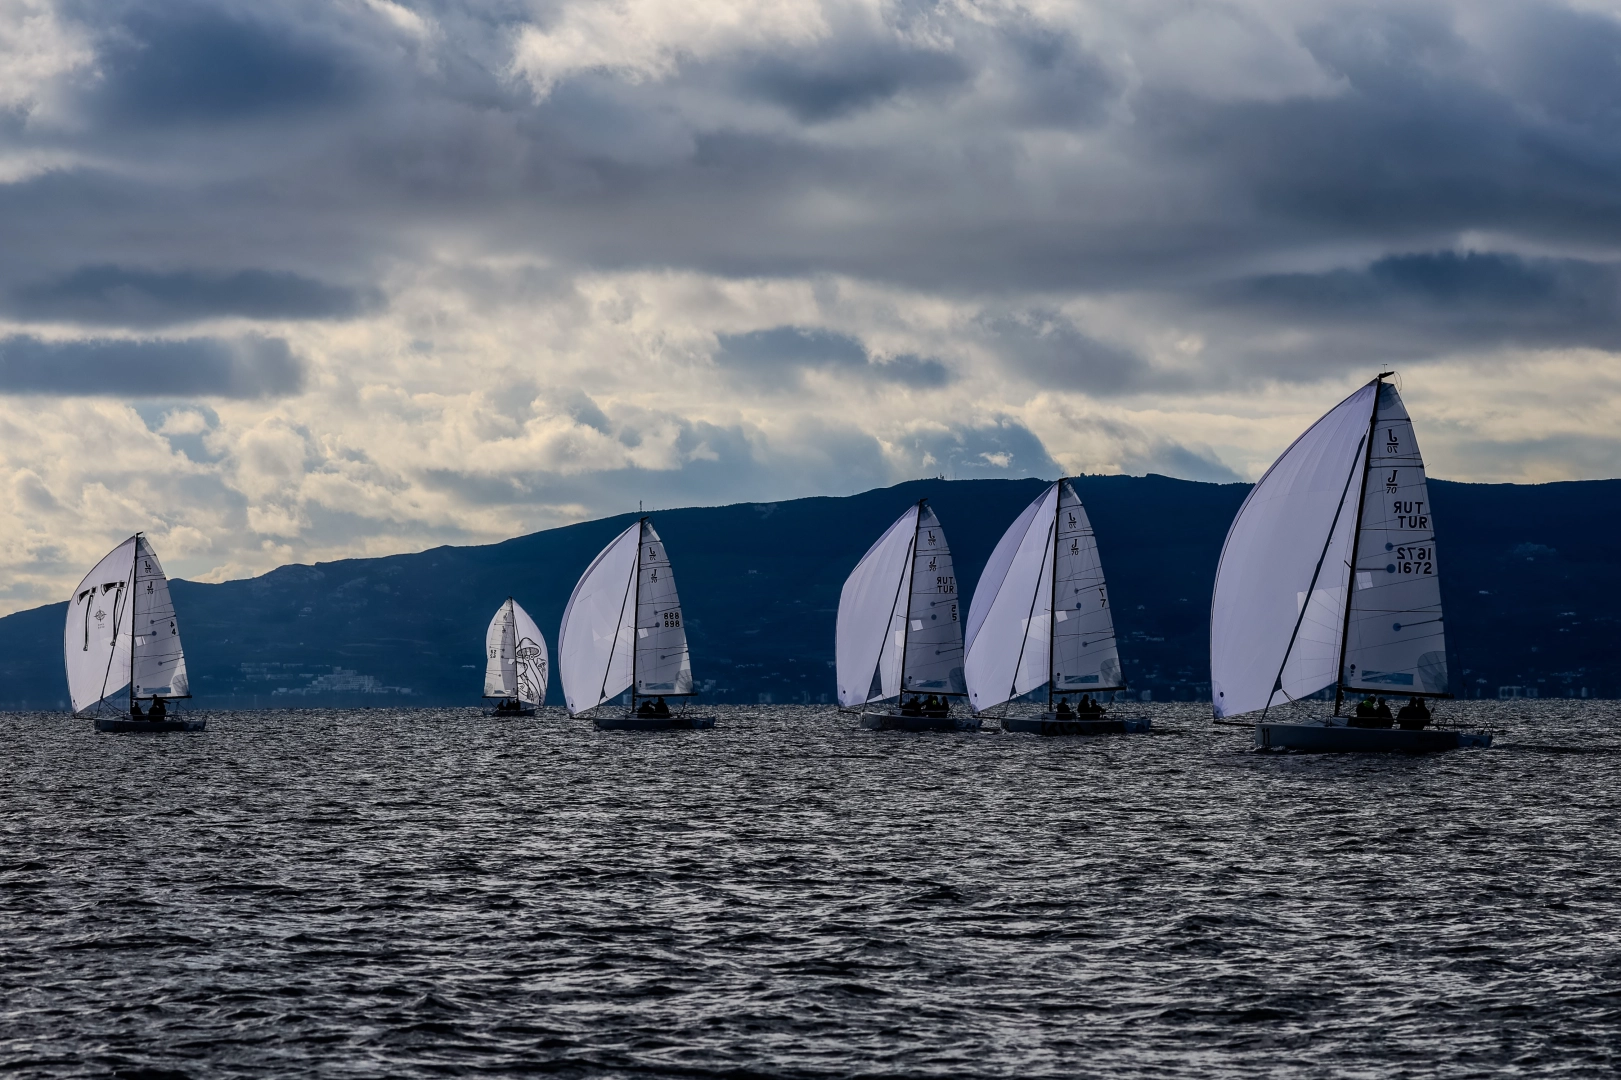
<point>1413,715</point>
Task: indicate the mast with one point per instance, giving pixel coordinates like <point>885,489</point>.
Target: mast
<point>134,575</point>
<point>907,583</point>
<point>636,607</point>
<point>1052,596</point>
<point>1356,541</point>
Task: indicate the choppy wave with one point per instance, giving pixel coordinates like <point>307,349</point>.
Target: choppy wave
<point>434,893</point>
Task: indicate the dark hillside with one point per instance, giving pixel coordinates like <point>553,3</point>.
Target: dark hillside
<point>1532,580</point>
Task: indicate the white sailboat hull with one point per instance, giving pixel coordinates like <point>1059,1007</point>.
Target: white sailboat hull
<point>1340,739</point>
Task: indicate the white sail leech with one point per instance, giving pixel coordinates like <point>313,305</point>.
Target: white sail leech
<point>663,664</point>
<point>1295,525</point>
<point>596,642</point>
<point>933,663</point>
<point>96,641</point>
<point>1395,642</point>
<point>867,658</point>
<point>158,666</point>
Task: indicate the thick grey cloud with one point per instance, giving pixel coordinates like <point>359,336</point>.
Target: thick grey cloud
<point>834,82</point>
<point>1451,298</point>
<point>778,356</point>
<point>122,296</point>
<point>101,367</point>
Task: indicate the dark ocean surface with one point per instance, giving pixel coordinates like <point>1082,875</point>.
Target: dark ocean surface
<point>433,893</point>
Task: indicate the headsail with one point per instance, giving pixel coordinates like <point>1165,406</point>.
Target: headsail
<point>159,663</point>
<point>96,641</point>
<point>1394,641</point>
<point>531,663</point>
<point>663,665</point>
<point>594,646</point>
<point>1277,613</point>
<point>1041,611</point>
<point>933,638</point>
<point>867,663</point>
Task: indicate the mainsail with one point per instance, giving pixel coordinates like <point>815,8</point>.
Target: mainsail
<point>899,626</point>
<point>1280,628</point>
<point>1394,641</point>
<point>1040,614</point>
<point>122,633</point>
<point>663,665</point>
<point>622,628</point>
<point>516,651</point>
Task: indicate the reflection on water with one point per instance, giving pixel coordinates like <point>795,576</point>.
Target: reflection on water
<point>432,892</point>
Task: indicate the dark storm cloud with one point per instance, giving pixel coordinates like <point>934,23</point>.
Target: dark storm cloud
<point>120,296</point>
<point>1469,298</point>
<point>181,62</point>
<point>249,367</point>
<point>777,358</point>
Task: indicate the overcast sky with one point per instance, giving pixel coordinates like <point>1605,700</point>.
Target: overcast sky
<point>293,281</point>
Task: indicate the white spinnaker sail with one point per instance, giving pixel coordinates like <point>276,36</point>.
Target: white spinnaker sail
<point>867,604</point>
<point>1084,655</point>
<point>598,634</point>
<point>1295,526</point>
<point>933,641</point>
<point>159,668</point>
<point>1007,619</point>
<point>531,663</point>
<point>1395,642</point>
<point>500,652</point>
<point>663,665</point>
<point>95,643</point>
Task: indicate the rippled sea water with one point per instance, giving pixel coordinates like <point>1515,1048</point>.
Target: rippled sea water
<point>433,893</point>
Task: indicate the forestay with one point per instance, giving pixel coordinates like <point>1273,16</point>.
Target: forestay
<point>663,665</point>
<point>159,663</point>
<point>1277,612</point>
<point>867,606</point>
<point>1394,640</point>
<point>96,642</point>
<point>930,629</point>
<point>595,644</point>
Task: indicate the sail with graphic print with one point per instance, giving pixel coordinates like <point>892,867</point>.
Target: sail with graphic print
<point>1329,580</point>
<point>121,645</point>
<point>899,631</point>
<point>623,631</point>
<point>515,662</point>
<point>1041,618</point>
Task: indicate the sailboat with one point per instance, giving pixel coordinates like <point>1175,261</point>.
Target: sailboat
<point>1040,617</point>
<point>898,634</point>
<point>121,644</point>
<point>622,630</point>
<point>1329,578</point>
<point>515,668</point>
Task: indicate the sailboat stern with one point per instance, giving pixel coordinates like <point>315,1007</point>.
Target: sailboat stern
<point>1341,739</point>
